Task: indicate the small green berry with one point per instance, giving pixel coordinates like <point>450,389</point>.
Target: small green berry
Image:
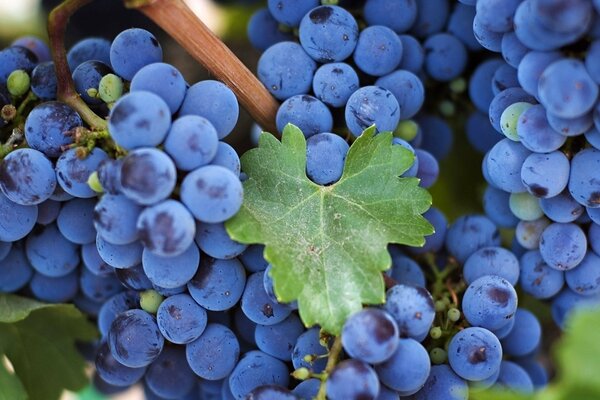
<point>435,332</point>
<point>150,300</point>
<point>438,355</point>
<point>94,183</point>
<point>447,108</point>
<point>407,130</point>
<point>18,83</point>
<point>454,314</point>
<point>110,88</point>
<point>458,85</point>
<point>440,306</point>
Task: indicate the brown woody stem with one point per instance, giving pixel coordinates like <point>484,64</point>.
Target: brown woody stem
<point>183,25</point>
<point>57,26</point>
<point>332,361</point>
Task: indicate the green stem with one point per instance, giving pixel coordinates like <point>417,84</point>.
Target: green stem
<point>57,26</point>
<point>334,354</point>
<point>30,97</point>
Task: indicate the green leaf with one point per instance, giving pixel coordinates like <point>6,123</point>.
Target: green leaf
<point>11,387</point>
<point>39,340</point>
<point>328,244</point>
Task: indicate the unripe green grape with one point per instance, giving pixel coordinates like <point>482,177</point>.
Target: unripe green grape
<point>525,206</point>
<point>438,355</point>
<point>454,314</point>
<point>440,305</point>
<point>435,332</point>
<point>18,83</point>
<point>407,130</point>
<point>510,118</point>
<point>150,300</point>
<point>94,183</point>
<point>301,374</point>
<point>110,88</point>
<point>459,85</point>
<point>447,108</point>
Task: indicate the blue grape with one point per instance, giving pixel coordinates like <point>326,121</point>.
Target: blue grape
<point>114,306</point>
<point>531,67</point>
<point>525,336</point>
<point>54,289</point>
<point>399,15</point>
<point>270,392</point>
<point>431,17</point>
<point>16,220</point>
<point>180,319</point>
<point>504,78</point>
<point>214,354</point>
<point>170,376</point>
<point>212,193</point>
<point>27,177</point>
<point>133,49</point>
<point>513,377</point>
<point>528,233</point>
<point>134,278</point>
<point>50,253</point>
<point>352,379</point>
<point>378,51</point>
<point>290,12</point>
<point>46,125</point>
<point>563,246</point>
<point>413,54</point>
<point>562,208</point>
<point>218,285</point>
<point>568,301</point>
<point>99,288</point>
<point>87,76</point>
<point>372,105</point>
<point>535,132</point>
<point>480,84</point>
<point>437,135</point>
<point>428,170</point>
<point>14,58</point>
<point>513,50</point>
<point>491,261</point>
<point>253,258</point>
<point>545,175</point>
<point>263,30</point>
<point>387,394</point>
<point>480,133</point>
<point>227,157</point>
<point>215,102</point>
<point>139,119</point>
<point>147,176</point>
<point>475,354</point>
<point>257,305</point>
<point>504,163</point>
<point>75,221</point>
<point>214,240</point>
<point>113,372</point>
<point>325,157</point>
<point>407,368</point>
<point>537,278</point>
<point>48,212</point>
<point>43,81</point>
<point>593,137</point>
<point>408,90</point>
<point>93,48</point>
<point>594,236</point>
<point>488,39</point>
<point>115,219</point>
<point>174,271</point>
<point>36,45</point>
<point>489,302</point>
<point>191,142</point>
<point>256,369</point>
<point>308,350</point>
<point>308,389</point>
<point>5,248</point>
<point>15,270</point>
<point>500,334</point>
<point>163,80</point>
<point>536,371</point>
<point>370,335</point>
<point>403,302</point>
<point>570,126</point>
<point>561,15</point>
<point>306,112</point>
<point>89,307</point>
<point>468,234</point>
<point>495,204</point>
<point>497,15</point>
<point>460,24</point>
<point>334,83</point>
<point>445,57</point>
<point>412,171</point>
<point>119,256</point>
<point>591,61</point>
<point>443,383</point>
<point>73,172</point>
<point>279,339</point>
<point>109,175</point>
<point>583,183</point>
<point>328,34</point>
<point>148,341</point>
<point>585,279</point>
<point>286,70</point>
<point>244,328</point>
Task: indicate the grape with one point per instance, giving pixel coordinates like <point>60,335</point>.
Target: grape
<point>469,233</point>
<point>408,90</point>
<point>148,176</point>
<point>428,170</point>
<point>563,246</point>
<point>93,48</point>
<point>593,236</point>
<point>591,61</point>
<point>308,389</point>
<point>212,193</point>
<point>531,67</point>
<point>431,17</point>
<point>536,371</point>
<point>413,54</point>
<point>87,76</point>
<point>504,163</point>
<point>114,306</point>
<point>214,240</point>
<point>180,319</point>
<point>593,137</point>
<point>308,351</point>
<point>585,279</point>
<point>15,270</point>
<point>36,45</point>
<point>334,83</point>
<point>403,303</point>
<point>443,383</point>
<point>570,126</point>
<point>325,157</point>
<point>110,88</point>
<point>546,175</point>
<point>561,15</point>
<point>133,49</point>
<point>398,15</point>
<point>99,288</point>
<point>119,256</point>
<point>73,172</point>
<point>510,117</point>
<point>92,260</point>
<point>437,135</point>
<point>115,219</point>
<point>54,289</point>
<point>169,376</point>
<point>306,112</point>
<point>163,80</point>
<point>480,84</point>
<point>328,34</point>
<point>5,248</point>
<point>488,39</point>
<point>218,285</point>
<point>48,212</point>
<point>46,125</point>
<point>567,301</point>
<point>513,50</point>
<point>228,158</point>
<point>535,132</point>
<point>27,177</point>
<point>290,12</point>
<point>263,30</point>
<point>583,184</point>
<point>191,142</point>
<point>513,377</point>
<point>500,334</point>
<point>491,261</point>
<point>489,302</point>
<point>378,51</point>
<point>286,70</point>
<point>503,100</point>
<point>257,305</point>
<point>370,335</point>
<point>537,278</point>
<point>113,372</point>
<point>43,81</point>
<point>480,133</point>
<point>256,369</point>
<point>497,15</point>
<point>352,379</point>
<point>270,392</point>
<point>475,354</point>
<point>173,271</point>
<point>372,105</point>
<point>253,258</point>
<point>407,368</point>
<point>446,57</point>
<point>16,220</point>
<point>75,221</point>
<point>524,337</point>
<point>14,58</point>
<point>138,325</point>
<point>505,77</point>
<point>460,24</point>
<point>528,233</point>
<point>279,339</point>
<point>496,206</point>
<point>244,328</point>
<point>525,206</point>
<point>134,278</point>
<point>50,253</point>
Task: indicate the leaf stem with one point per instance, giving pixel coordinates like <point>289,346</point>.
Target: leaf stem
<point>334,355</point>
<point>57,26</point>
<point>183,25</point>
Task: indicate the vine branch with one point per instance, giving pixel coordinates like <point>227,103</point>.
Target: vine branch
<point>334,354</point>
<point>191,33</point>
<point>57,26</point>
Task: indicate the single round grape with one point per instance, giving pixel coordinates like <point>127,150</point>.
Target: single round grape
<point>173,271</point>
<point>475,353</point>
<point>563,246</point>
<point>492,261</point>
<point>218,284</point>
<point>191,142</point>
<point>256,369</point>
<point>46,125</point>
<point>525,206</point>
<point>537,278</point>
<point>134,339</point>
<point>407,368</point>
<point>147,176</point>
<point>489,302</point>
<point>525,336</point>
<point>370,335</point>
<point>510,117</point>
<point>27,177</point>
<point>180,319</point>
<point>133,49</point>
<point>352,379</point>
<point>72,172</point>
<point>372,105</point>
<point>403,303</point>
<point>306,112</point>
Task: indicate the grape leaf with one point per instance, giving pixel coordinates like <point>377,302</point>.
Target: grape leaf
<point>39,340</point>
<point>328,244</point>
<point>11,387</point>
